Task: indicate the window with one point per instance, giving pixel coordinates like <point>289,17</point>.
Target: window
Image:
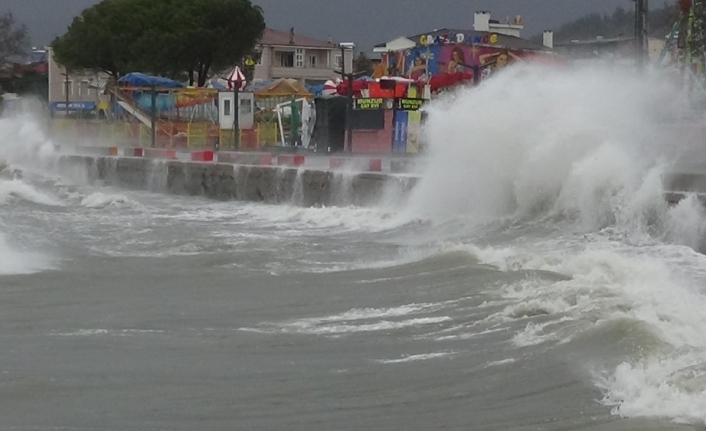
<point>245,106</point>
<point>67,87</point>
<point>312,61</point>
<point>87,84</point>
<point>226,107</point>
<point>299,58</point>
<point>82,88</point>
<point>339,61</point>
<point>286,59</point>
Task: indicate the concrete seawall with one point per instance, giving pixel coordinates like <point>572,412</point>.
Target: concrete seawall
<point>222,181</point>
<point>281,184</point>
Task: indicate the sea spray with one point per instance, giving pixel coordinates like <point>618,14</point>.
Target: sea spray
<point>342,186</point>
<point>298,188</point>
<point>582,151</point>
<point>23,142</point>
<point>14,261</point>
<point>575,142</point>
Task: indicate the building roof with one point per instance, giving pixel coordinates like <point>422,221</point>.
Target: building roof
<point>284,38</point>
<point>399,44</point>
<point>598,41</point>
<point>504,40</point>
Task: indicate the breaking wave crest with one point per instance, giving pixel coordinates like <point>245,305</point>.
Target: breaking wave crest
<point>576,157</point>
<point>585,145</point>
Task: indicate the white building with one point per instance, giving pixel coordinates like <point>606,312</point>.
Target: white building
<point>289,55</point>
<point>483,22</point>
<point>76,87</point>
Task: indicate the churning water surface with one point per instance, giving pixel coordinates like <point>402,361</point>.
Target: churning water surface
<point>535,279</point>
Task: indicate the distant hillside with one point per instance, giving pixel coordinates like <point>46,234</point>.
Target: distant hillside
<point>620,24</point>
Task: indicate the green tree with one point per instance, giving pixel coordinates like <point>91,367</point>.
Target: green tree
<point>101,38</point>
<point>620,24</point>
<point>174,38</point>
<point>363,64</point>
<point>13,38</point>
<point>32,84</point>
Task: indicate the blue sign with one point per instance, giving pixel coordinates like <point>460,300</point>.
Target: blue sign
<point>399,137</point>
<point>73,106</point>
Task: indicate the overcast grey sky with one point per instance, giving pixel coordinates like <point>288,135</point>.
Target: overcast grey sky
<point>365,22</point>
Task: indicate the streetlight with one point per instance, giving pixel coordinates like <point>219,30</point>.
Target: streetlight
<point>641,11</point>
<point>349,93</point>
<point>66,92</point>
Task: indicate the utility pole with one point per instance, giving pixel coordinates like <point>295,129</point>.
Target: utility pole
<point>349,94</point>
<point>236,113</point>
<point>66,92</point>
<point>641,47</point>
<point>153,115</point>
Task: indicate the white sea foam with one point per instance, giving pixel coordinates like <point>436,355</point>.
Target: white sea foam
<point>23,143</point>
<point>585,144</point>
<point>581,152</point>
<point>659,387</point>
<point>414,358</point>
<point>357,320</point>
<point>501,362</point>
<point>635,284</point>
<point>15,262</point>
<point>107,332</point>
<point>102,200</point>
<point>19,189</point>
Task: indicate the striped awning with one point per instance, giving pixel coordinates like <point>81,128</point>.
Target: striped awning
<point>236,76</point>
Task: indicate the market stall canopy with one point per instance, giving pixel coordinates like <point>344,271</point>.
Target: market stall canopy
<point>138,79</point>
<point>283,87</point>
<point>217,83</point>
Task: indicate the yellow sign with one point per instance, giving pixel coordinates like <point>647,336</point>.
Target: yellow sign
<point>249,62</point>
<point>409,104</point>
<point>369,103</point>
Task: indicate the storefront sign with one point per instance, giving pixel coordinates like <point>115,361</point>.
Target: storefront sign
<point>369,103</point>
<point>409,104</point>
<point>459,39</point>
<point>73,106</point>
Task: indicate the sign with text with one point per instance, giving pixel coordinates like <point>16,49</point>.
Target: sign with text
<point>73,106</point>
<point>369,103</point>
<point>409,104</point>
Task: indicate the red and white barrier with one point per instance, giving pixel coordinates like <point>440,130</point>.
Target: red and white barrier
<point>159,153</point>
<point>202,156</point>
<point>355,164</point>
<point>245,158</point>
<point>291,160</point>
<point>128,152</point>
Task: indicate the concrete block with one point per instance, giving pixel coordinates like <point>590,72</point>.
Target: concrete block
<point>202,156</point>
<point>245,182</point>
<point>245,158</point>
<point>160,153</point>
<point>132,152</point>
<point>401,166</point>
<point>337,162</point>
<point>355,164</point>
<point>291,159</point>
<point>94,151</point>
<point>375,165</point>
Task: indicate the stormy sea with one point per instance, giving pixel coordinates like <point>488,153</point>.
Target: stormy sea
<point>534,279</point>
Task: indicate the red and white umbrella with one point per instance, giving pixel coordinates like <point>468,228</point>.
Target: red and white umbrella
<point>329,88</point>
<point>236,76</point>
